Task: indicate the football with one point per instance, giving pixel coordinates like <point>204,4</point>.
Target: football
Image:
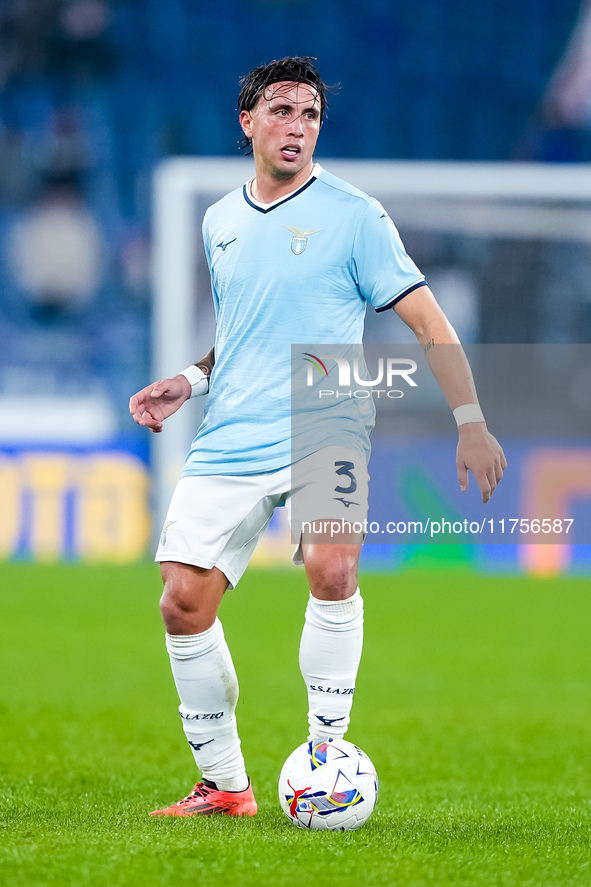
<point>328,784</point>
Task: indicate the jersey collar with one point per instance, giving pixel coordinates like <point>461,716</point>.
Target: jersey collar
<point>267,207</point>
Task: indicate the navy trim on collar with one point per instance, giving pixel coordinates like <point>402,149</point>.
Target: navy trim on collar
<point>279,202</point>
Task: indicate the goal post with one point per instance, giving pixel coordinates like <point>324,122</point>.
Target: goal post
<point>535,202</point>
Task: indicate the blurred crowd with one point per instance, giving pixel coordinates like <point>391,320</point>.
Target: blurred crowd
<point>74,264</point>
<point>93,93</point>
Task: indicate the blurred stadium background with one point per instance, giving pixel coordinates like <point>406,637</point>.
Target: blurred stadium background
<point>95,94</point>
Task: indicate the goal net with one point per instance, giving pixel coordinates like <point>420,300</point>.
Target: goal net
<point>505,247</point>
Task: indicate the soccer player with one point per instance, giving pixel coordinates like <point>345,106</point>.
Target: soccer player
<point>295,256</point>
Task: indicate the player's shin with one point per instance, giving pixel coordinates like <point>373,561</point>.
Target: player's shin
<point>208,691</point>
<point>330,651</point>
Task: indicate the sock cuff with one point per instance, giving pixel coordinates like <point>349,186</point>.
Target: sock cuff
<point>190,646</point>
<point>339,615</point>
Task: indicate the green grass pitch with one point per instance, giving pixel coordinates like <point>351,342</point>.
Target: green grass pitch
<point>473,701</point>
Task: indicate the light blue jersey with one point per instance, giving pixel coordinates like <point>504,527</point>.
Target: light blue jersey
<point>299,271</point>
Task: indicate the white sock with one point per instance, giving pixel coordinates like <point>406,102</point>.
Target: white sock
<point>206,682</point>
<point>330,651</point>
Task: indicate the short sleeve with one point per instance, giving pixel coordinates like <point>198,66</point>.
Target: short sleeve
<point>383,270</point>
<point>206,238</point>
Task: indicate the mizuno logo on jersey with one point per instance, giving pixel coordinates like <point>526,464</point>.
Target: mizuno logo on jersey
<point>300,240</point>
<point>223,245</point>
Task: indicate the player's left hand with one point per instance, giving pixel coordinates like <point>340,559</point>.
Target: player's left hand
<point>481,453</point>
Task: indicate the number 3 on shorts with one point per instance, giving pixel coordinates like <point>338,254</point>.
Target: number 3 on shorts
<point>346,468</point>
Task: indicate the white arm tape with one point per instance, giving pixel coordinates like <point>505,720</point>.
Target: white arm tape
<point>197,379</point>
<point>468,412</point>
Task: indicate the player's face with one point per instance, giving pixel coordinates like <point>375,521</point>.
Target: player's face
<point>284,127</point>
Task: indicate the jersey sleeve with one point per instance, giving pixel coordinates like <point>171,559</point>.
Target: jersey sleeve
<point>383,271</point>
<point>206,236</point>
<point>205,233</point>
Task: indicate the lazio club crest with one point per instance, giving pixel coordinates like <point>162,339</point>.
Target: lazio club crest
<point>300,240</point>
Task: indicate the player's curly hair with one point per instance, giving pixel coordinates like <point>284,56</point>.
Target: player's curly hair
<point>298,69</point>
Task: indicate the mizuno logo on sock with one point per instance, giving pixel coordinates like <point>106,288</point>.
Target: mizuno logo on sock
<point>328,722</point>
<point>199,745</point>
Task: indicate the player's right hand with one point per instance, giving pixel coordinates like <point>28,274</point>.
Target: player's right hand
<point>152,405</point>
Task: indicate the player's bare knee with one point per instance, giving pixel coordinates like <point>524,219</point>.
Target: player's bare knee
<point>183,615</point>
<point>332,578</point>
<point>174,606</point>
<point>190,598</point>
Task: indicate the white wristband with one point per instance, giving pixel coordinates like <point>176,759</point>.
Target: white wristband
<point>197,379</point>
<point>468,412</point>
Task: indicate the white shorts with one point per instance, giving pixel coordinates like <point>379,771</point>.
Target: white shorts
<point>217,520</point>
